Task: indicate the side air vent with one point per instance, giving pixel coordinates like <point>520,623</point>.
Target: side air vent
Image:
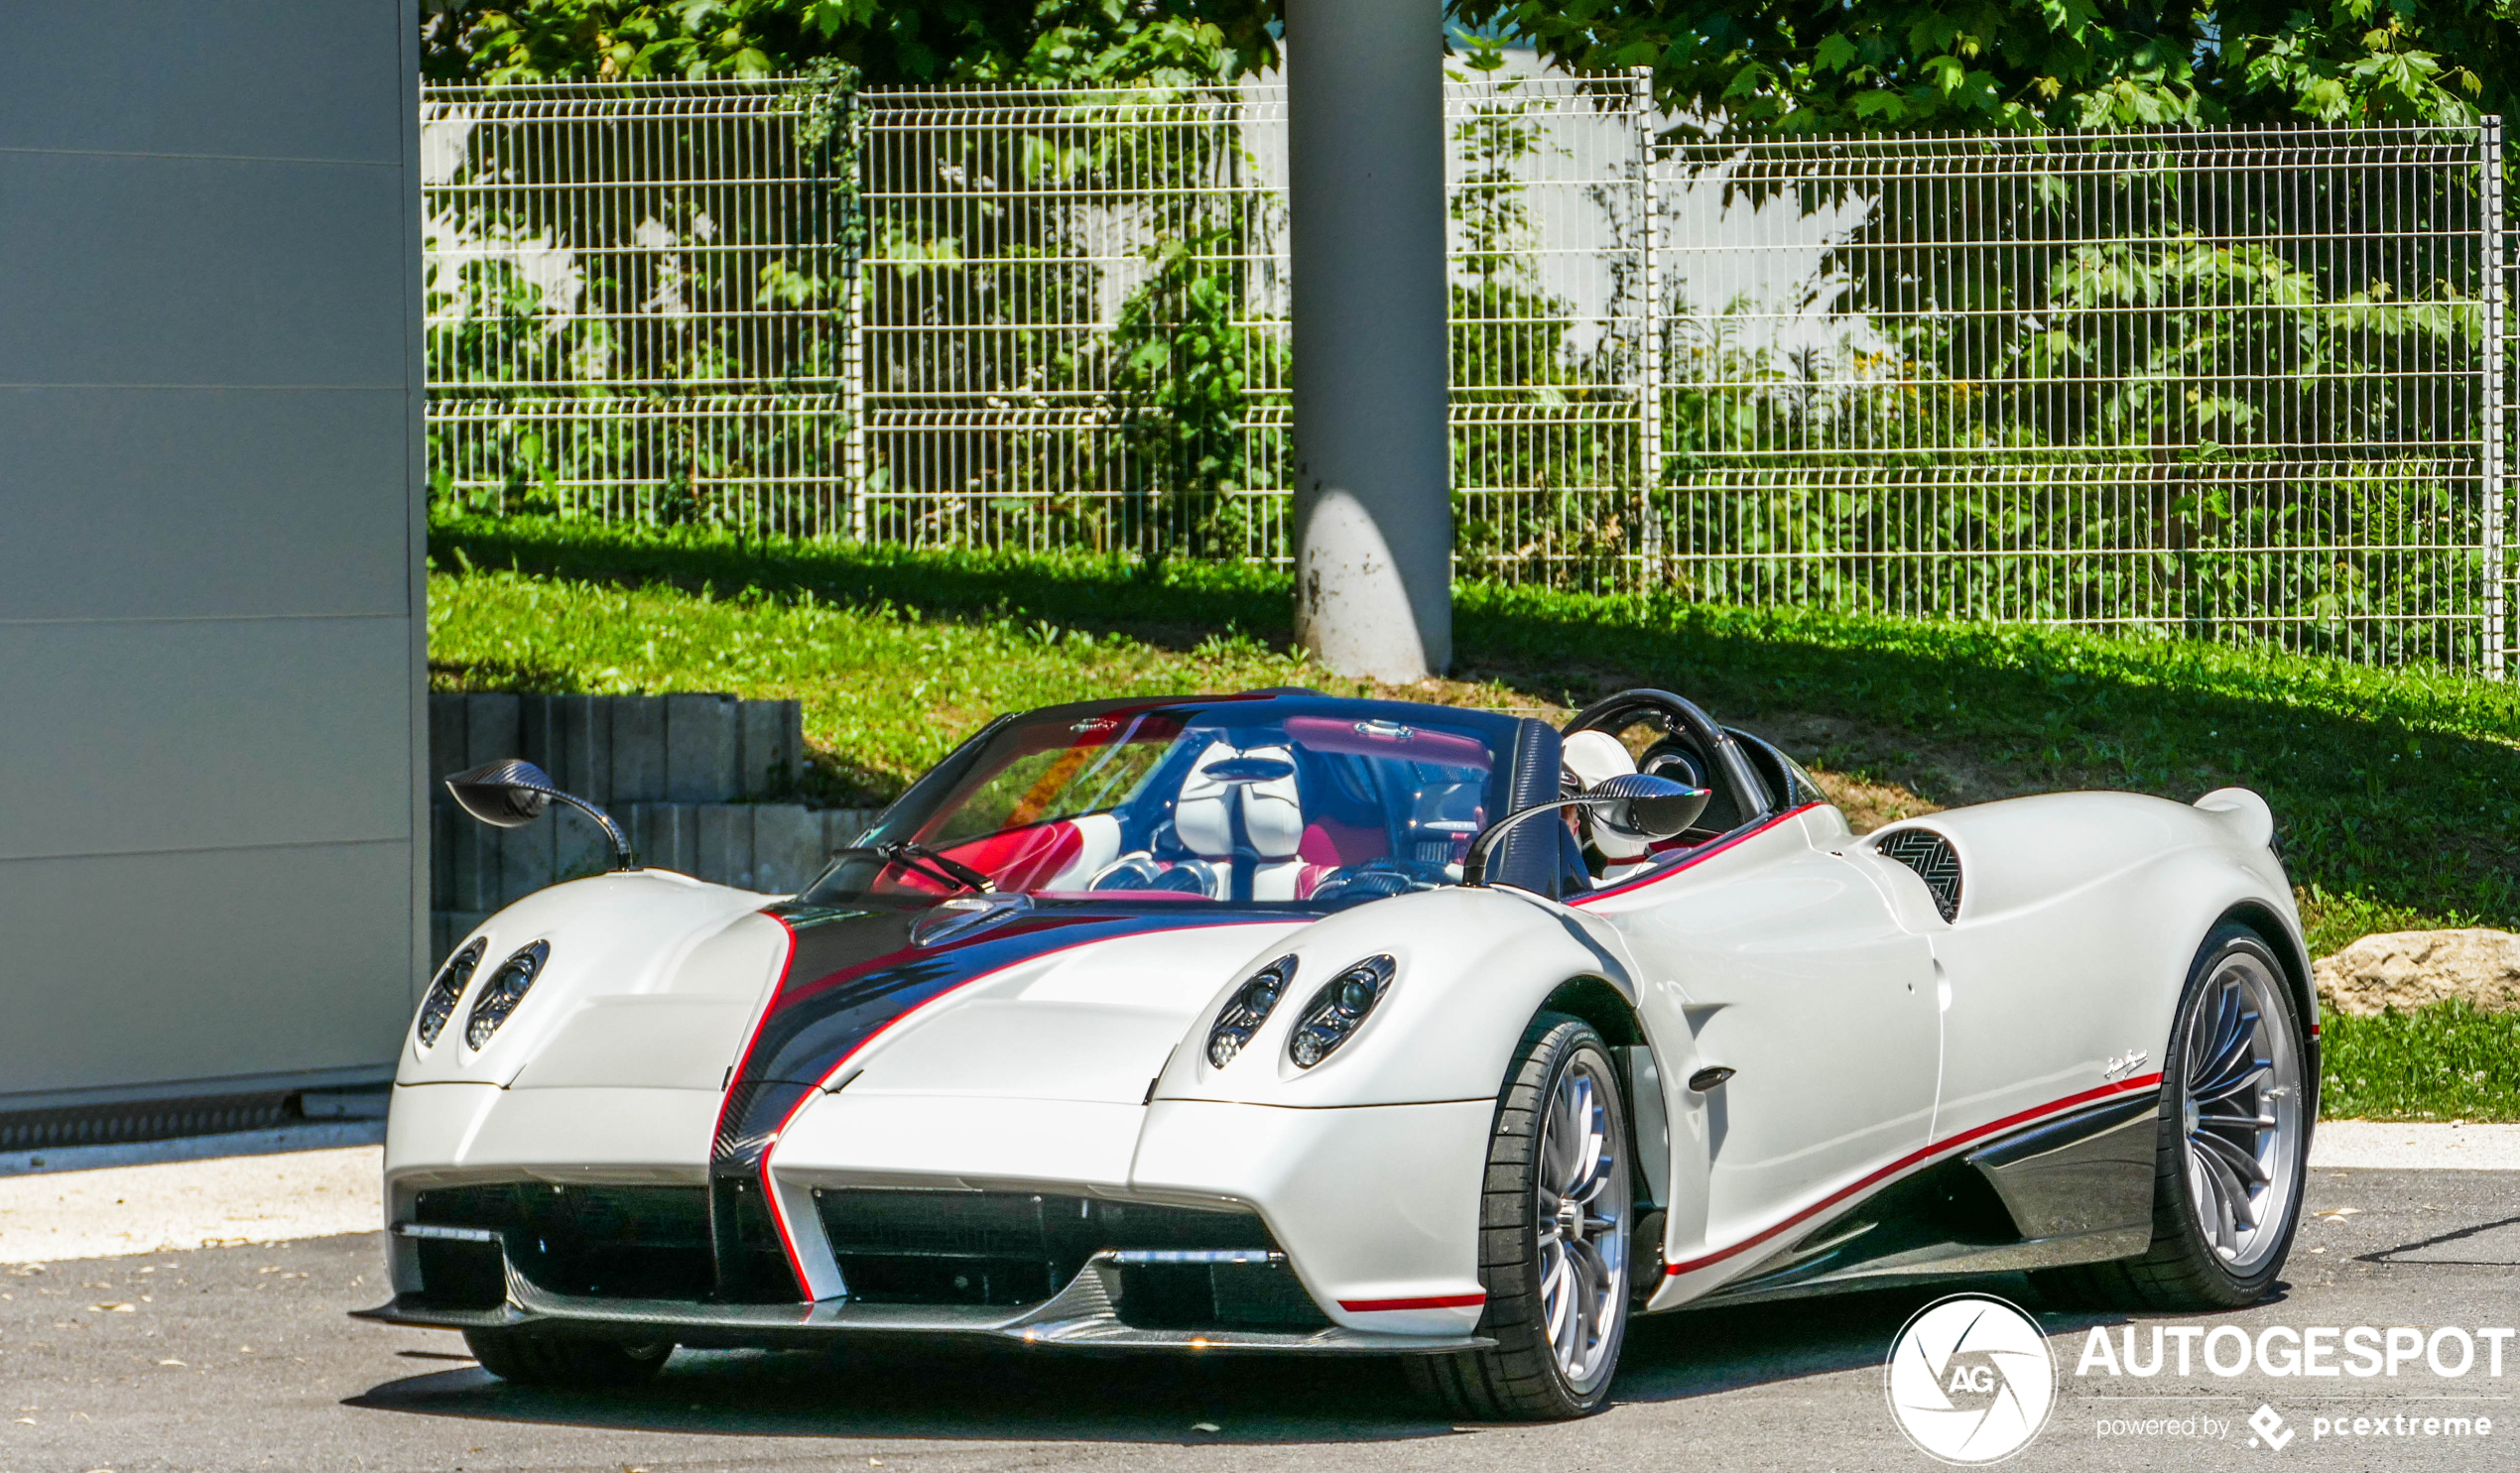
<point>1930,855</point>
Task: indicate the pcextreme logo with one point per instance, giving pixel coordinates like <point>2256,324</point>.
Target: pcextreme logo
<point>2268,1423</point>
<point>1971,1380</point>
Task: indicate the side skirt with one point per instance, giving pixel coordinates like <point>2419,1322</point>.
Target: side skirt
<point>2077,1189</point>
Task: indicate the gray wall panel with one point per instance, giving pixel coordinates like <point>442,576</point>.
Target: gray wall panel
<point>171,968</point>
<point>294,81</point>
<point>199,271</point>
<point>423,958</point>
<point>204,734</point>
<point>211,610</point>
<point>222,502</point>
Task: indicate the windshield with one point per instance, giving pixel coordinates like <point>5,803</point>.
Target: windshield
<point>1270,801</point>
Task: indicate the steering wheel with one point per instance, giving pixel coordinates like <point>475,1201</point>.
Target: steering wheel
<point>1731,771</point>
<point>1668,758</point>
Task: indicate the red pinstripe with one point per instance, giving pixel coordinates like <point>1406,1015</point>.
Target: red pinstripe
<point>1439,1301</point>
<point>1701,856</point>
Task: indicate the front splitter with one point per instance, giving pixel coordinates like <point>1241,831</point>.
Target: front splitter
<point>1083,1316</point>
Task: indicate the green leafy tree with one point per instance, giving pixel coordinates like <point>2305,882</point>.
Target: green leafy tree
<point>1878,66</point>
<point>1799,66</point>
<point>888,42</point>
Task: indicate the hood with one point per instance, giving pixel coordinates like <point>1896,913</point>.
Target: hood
<point>650,979</point>
<point>1060,1001</point>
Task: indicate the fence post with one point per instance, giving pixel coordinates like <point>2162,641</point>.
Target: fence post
<point>1648,417</point>
<point>854,235</point>
<point>2490,148</point>
<point>1365,208</point>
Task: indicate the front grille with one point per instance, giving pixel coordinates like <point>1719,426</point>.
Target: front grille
<point>897,1246</point>
<point>752,1266</point>
<point>1227,1296</point>
<point>617,1241</point>
<point>461,1275</point>
<point>925,1247</point>
<point>933,1224</point>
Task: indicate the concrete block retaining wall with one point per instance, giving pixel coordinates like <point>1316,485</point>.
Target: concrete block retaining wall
<point>684,774</point>
<point>627,749</point>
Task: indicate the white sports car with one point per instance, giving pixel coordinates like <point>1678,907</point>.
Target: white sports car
<point>1286,1023</point>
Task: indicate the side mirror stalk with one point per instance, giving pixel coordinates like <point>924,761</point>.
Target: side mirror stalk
<point>1638,806</point>
<point>515,792</point>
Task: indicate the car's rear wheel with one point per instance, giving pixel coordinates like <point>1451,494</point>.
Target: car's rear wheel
<point>532,1357</point>
<point>2234,1143</point>
<point>1552,1239</point>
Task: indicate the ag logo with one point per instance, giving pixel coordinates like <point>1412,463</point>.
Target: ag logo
<point>1971,1380</point>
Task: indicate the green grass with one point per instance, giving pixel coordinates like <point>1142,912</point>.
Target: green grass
<point>2397,792</point>
<point>2447,1062</point>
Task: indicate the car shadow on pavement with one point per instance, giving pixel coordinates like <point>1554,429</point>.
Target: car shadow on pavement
<point>1674,1357</point>
<point>987,1393</point>
<point>957,1394</point>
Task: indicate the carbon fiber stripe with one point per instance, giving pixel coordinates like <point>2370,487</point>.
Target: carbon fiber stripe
<point>850,974</point>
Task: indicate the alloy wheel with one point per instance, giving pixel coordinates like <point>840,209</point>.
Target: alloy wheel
<point>1583,1188</point>
<point>2240,1106</point>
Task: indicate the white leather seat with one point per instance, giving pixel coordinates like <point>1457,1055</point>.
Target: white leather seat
<point>1272,816</point>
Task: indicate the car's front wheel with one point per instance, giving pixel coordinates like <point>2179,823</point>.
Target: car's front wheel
<point>1553,1240</point>
<point>532,1357</point>
<point>2237,1103</point>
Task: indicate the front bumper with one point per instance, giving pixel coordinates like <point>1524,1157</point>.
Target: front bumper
<point>1085,1314</point>
<point>1374,1209</point>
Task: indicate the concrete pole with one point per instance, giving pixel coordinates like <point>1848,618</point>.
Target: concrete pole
<point>1373,513</point>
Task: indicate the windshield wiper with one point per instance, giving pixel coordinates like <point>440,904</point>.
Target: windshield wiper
<point>919,859</point>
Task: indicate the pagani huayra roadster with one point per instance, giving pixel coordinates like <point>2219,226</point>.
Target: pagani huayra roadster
<point>1295,1024</point>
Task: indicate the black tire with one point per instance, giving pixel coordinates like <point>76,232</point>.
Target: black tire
<point>531,1357</point>
<point>1521,1379</point>
<point>2182,1271</point>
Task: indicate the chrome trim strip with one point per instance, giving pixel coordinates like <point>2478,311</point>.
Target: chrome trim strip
<point>451,1234</point>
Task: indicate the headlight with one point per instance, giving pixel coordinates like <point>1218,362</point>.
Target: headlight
<point>447,991</point>
<point>1338,1009</point>
<point>505,989</point>
<point>1246,1010</point>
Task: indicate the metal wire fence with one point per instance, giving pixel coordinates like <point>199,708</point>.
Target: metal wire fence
<point>2232,381</point>
<point>2239,384</point>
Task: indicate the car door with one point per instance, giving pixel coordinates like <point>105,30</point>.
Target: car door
<point>1792,970</point>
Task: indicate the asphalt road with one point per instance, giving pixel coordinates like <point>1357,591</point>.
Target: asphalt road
<point>241,1358</point>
